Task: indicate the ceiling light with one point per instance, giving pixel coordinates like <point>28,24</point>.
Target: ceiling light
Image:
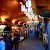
<point>3,18</point>
<point>21,3</point>
<point>14,20</point>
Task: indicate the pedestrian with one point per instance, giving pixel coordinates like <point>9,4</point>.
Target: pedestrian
<point>7,42</point>
<point>16,40</point>
<point>2,43</point>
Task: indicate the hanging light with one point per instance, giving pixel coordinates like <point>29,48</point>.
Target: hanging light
<point>3,18</point>
<point>13,21</point>
<point>28,3</point>
<point>21,3</point>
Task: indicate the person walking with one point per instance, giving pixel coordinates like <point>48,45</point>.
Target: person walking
<point>16,40</point>
<point>7,42</point>
<point>2,43</point>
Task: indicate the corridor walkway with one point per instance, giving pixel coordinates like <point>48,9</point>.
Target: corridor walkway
<point>31,44</point>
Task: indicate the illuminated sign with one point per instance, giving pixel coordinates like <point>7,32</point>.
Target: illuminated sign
<point>28,3</point>
<point>22,7</point>
<point>30,10</point>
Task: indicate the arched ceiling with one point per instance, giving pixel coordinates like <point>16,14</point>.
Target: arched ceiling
<point>12,10</point>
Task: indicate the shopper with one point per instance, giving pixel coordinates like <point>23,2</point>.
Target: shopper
<point>16,40</point>
<point>37,33</point>
<point>35,30</point>
<point>12,40</point>
<point>7,42</point>
<point>2,43</point>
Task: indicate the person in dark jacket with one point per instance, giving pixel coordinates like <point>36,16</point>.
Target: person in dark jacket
<point>16,40</point>
<point>7,42</point>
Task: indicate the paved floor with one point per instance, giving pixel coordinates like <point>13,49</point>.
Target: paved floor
<point>31,44</point>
